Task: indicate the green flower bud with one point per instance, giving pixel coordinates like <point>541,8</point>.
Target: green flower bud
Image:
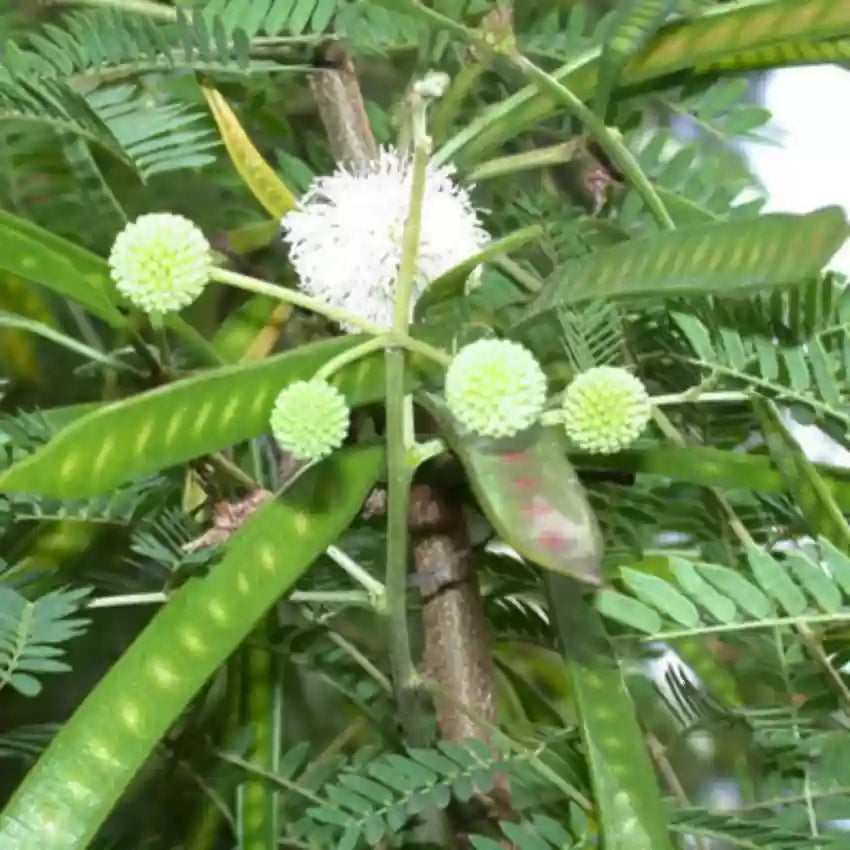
<point>495,388</point>
<point>310,419</point>
<point>160,262</point>
<point>605,409</point>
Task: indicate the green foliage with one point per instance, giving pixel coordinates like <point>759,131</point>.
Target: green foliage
<point>32,634</point>
<point>383,795</point>
<point>227,626</point>
<point>699,598</point>
<point>208,619</point>
<point>631,27</point>
<point>58,107</point>
<point>630,809</point>
<point>57,264</point>
<point>703,176</point>
<point>156,137</point>
<point>724,258</point>
<point>188,419</point>
<point>786,345</point>
<point>697,47</point>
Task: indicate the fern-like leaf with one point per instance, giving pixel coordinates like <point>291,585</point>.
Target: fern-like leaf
<point>54,104</point>
<point>790,346</point>
<point>630,29</point>
<point>701,598</point>
<point>31,635</point>
<point>156,138</point>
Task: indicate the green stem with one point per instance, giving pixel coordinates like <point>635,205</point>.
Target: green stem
<point>524,278</point>
<point>291,296</point>
<point>417,346</point>
<point>126,600</point>
<point>274,779</point>
<point>256,801</point>
<point>345,597</point>
<point>537,158</point>
<point>351,355</point>
<point>192,337</point>
<point>501,112</point>
<point>446,112</point>
<point>158,11</point>
<point>345,562</point>
<point>609,142</point>
<point>619,154</point>
<point>361,660</point>
<point>397,337</point>
<point>413,223</point>
<point>398,501</point>
<point>233,470</point>
<point>398,415</point>
<point>772,623</point>
<point>690,397</point>
<point>555,417</point>
<point>332,597</point>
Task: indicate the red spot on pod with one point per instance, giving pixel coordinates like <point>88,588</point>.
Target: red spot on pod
<point>551,540</point>
<point>515,457</point>
<point>537,508</point>
<point>525,483</point>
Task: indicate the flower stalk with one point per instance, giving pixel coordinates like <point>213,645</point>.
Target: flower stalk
<point>501,43</point>
<point>399,416</point>
<point>538,158</point>
<point>291,296</point>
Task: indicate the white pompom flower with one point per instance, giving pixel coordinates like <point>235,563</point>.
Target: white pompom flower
<point>345,237</point>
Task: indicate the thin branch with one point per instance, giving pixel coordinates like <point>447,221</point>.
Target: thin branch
<point>148,8</point>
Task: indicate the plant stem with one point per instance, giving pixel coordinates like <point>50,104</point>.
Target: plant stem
<point>609,142</point>
<point>274,779</point>
<point>398,415</point>
<point>417,346</point>
<point>524,278</point>
<point>398,501</point>
<point>158,11</point>
<point>344,561</point>
<point>413,223</point>
<point>445,113</point>
<point>691,397</point>
<point>500,112</point>
<point>555,417</point>
<point>537,158</point>
<point>353,354</point>
<point>397,337</point>
<point>342,597</point>
<point>192,337</point>
<point>233,470</point>
<point>263,287</point>
<point>126,600</point>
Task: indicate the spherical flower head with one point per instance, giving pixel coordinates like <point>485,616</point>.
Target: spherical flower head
<point>310,419</point>
<point>345,237</point>
<point>605,410</point>
<point>495,388</point>
<point>160,262</point>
